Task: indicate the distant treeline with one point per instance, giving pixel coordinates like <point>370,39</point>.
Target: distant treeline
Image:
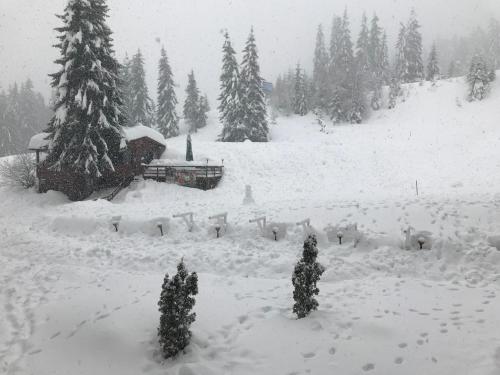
<point>347,77</point>
<point>23,113</point>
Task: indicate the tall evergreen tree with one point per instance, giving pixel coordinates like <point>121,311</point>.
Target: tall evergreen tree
<point>335,41</point>
<point>142,107</point>
<point>494,43</point>
<point>409,51</point>
<point>342,69</point>
<point>375,48</point>
<point>345,58</point>
<point>300,94</point>
<point>168,121</point>
<point>321,87</point>
<point>414,52</point>
<point>203,109</point>
<point>363,45</point>
<point>253,100</point>
<point>86,127</point>
<point>384,61</point>
<point>192,104</point>
<point>126,90</point>
<point>432,65</point>
<point>230,113</point>
<point>376,63</point>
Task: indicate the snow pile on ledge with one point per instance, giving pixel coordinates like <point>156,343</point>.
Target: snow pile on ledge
<point>184,163</point>
<point>39,141</point>
<point>141,131</point>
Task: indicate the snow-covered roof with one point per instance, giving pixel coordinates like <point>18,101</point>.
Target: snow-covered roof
<point>39,142</point>
<point>141,131</point>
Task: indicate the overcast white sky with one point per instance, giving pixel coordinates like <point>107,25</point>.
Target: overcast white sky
<point>190,30</point>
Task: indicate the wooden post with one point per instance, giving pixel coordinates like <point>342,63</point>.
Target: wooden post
<point>206,176</point>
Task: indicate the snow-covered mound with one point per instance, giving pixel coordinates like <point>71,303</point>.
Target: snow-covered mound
<point>435,136</point>
<point>79,297</point>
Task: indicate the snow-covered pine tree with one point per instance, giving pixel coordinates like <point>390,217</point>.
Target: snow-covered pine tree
<point>305,276</point>
<point>253,103</point>
<point>414,53</point>
<point>203,109</point>
<point>363,45</point>
<point>175,305</point>
<point>494,43</point>
<point>335,41</point>
<point>282,95</point>
<point>142,107</point>
<point>384,61</point>
<point>300,95</point>
<point>167,119</point>
<point>432,65</point>
<point>125,86</point>
<point>206,104</point>
<point>342,69</point>
<point>377,60</point>
<point>357,103</point>
<point>410,67</point>
<point>375,49</point>
<point>189,149</point>
<point>479,79</point>
<point>86,127</point>
<point>353,73</point>
<point>401,61</point>
<point>320,85</point>
<point>192,104</point>
<point>229,99</point>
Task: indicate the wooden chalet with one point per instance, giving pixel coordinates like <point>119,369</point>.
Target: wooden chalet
<point>141,149</point>
<point>139,146</point>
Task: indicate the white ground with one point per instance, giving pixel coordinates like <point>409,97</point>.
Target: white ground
<point>78,298</point>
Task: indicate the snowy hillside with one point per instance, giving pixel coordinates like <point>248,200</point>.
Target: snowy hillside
<point>78,297</point>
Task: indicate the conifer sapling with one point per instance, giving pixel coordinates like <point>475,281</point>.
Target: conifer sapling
<point>189,149</point>
<point>305,276</point>
<point>175,305</point>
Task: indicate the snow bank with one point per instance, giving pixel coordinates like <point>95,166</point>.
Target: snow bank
<point>79,297</point>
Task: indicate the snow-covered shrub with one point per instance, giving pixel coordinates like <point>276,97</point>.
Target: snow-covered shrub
<point>175,305</point>
<point>19,171</point>
<point>394,92</point>
<point>305,276</point>
<point>479,79</point>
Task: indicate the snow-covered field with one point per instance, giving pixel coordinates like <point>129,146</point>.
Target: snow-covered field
<point>78,298</point>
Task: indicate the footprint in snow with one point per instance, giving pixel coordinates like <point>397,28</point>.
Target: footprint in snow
<point>332,351</point>
<point>308,355</point>
<point>398,360</point>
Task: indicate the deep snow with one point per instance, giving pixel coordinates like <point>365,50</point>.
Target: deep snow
<point>77,297</point>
